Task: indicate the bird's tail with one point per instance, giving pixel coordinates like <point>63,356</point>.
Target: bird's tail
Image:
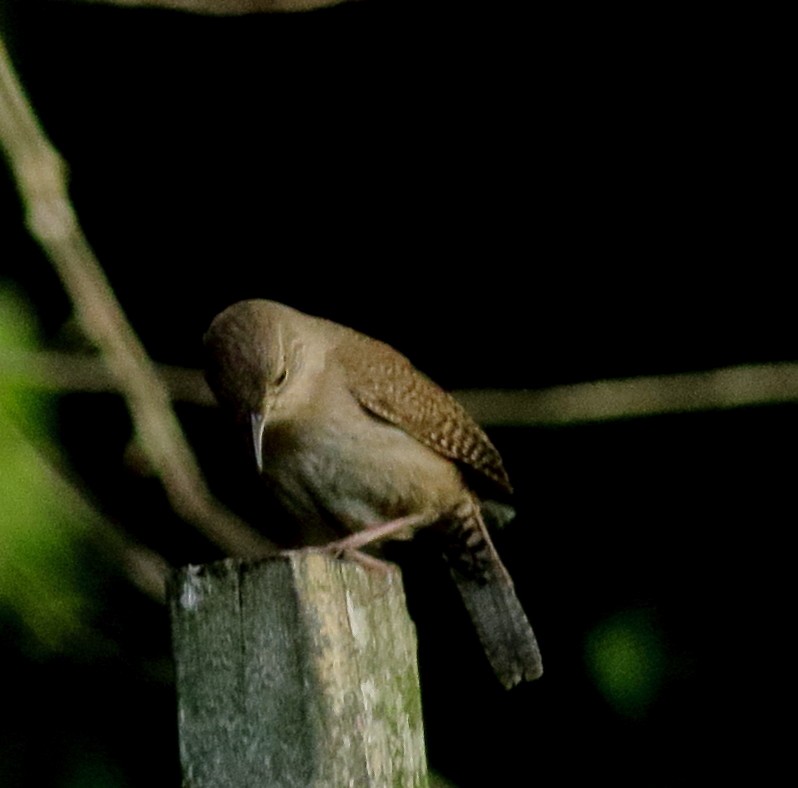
<point>489,596</point>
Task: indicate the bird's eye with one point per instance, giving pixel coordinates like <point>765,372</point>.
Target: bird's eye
<point>281,377</point>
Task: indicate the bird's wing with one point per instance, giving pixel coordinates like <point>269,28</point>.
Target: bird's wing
<point>385,383</point>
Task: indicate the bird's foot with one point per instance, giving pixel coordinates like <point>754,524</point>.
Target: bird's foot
<point>334,550</point>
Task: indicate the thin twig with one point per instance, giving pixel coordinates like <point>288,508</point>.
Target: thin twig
<point>41,178</point>
<point>607,400</point>
<point>80,372</point>
<point>603,400</point>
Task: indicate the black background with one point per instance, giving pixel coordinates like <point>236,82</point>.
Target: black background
<point>513,198</point>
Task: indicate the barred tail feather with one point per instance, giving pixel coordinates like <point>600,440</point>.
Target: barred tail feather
<point>503,629</point>
<point>490,599</point>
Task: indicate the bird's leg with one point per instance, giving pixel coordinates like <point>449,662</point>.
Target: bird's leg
<point>378,533</point>
<point>349,546</point>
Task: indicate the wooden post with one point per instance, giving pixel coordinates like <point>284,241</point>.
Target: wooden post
<point>296,671</point>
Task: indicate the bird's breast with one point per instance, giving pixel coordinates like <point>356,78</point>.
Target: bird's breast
<point>358,470</point>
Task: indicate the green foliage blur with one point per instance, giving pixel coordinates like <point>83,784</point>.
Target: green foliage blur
<point>626,656</point>
<point>41,521</point>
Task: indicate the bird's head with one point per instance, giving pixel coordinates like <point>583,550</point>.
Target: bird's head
<point>251,358</point>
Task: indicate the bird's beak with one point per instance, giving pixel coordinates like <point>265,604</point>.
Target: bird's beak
<point>258,425</point>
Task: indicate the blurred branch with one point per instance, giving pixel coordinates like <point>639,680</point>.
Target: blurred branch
<point>604,400</point>
<point>226,7</point>
<point>71,372</point>
<point>41,178</point>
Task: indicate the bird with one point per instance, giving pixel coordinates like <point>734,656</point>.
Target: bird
<point>350,437</point>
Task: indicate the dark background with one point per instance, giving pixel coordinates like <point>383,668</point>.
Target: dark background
<point>513,198</point>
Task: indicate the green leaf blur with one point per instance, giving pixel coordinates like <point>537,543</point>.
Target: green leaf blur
<point>39,524</point>
<point>626,656</point>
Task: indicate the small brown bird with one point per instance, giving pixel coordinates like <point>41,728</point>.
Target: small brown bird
<point>351,436</point>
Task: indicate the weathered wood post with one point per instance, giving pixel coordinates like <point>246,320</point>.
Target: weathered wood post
<point>298,671</point>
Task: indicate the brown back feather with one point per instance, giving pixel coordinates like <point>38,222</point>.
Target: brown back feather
<point>385,383</point>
